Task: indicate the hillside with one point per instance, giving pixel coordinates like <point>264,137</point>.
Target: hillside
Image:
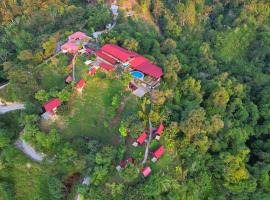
<point>139,99</point>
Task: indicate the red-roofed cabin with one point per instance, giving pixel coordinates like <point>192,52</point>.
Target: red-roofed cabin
<point>77,36</point>
<point>88,50</point>
<point>52,105</point>
<point>105,57</point>
<point>159,131</point>
<point>158,153</point>
<point>92,72</point>
<point>70,66</point>
<point>80,85</point>
<point>70,47</point>
<point>140,140</point>
<point>123,163</point>
<point>69,79</point>
<point>146,171</point>
<point>106,67</point>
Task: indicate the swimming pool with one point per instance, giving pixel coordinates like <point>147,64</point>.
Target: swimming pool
<point>137,74</point>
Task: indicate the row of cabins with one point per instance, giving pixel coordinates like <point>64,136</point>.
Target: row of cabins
<point>143,136</point>
<point>156,155</point>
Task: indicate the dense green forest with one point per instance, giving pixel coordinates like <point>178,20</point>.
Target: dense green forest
<point>213,100</point>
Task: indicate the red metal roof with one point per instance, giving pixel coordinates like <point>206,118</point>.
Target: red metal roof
<point>70,47</point>
<point>150,69</point>
<point>53,103</point>
<point>106,66</point>
<point>138,61</point>
<point>77,35</point>
<point>69,79</point>
<point>142,137</point>
<point>88,50</point>
<point>159,152</point>
<point>117,52</point>
<point>104,56</point>
<point>123,163</point>
<point>80,84</point>
<point>70,66</point>
<point>160,129</point>
<point>92,71</point>
<point>146,171</point>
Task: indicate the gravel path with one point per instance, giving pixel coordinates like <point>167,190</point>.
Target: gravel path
<point>3,86</point>
<point>28,150</point>
<point>10,107</point>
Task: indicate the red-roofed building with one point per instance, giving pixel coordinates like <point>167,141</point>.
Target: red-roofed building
<point>105,57</point>
<point>146,171</point>
<point>120,53</point>
<point>150,69</point>
<point>138,61</point>
<point>80,85</point>
<point>106,66</point>
<point>140,139</point>
<point>88,50</point>
<point>77,36</point>
<point>123,163</point>
<point>51,106</point>
<point>69,79</point>
<point>159,131</point>
<point>70,66</point>
<point>70,47</point>
<point>92,71</point>
<point>158,153</point>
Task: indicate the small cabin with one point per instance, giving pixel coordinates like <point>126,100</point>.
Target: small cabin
<point>141,139</point>
<point>158,153</point>
<point>92,71</point>
<point>123,163</point>
<point>159,131</point>
<point>70,66</point>
<point>146,171</point>
<point>88,50</point>
<point>50,108</point>
<point>69,79</point>
<point>80,85</point>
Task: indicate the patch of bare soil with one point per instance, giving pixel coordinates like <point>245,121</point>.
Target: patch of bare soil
<point>69,182</point>
<point>117,118</point>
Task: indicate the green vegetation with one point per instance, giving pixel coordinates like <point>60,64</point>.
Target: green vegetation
<point>213,100</point>
<point>90,114</point>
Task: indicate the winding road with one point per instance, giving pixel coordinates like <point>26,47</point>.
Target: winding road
<point>8,108</point>
<point>29,150</point>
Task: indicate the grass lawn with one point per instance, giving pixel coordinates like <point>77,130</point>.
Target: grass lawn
<point>81,69</point>
<point>90,113</point>
<point>53,74</point>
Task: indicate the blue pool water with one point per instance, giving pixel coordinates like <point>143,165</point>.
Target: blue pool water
<point>137,74</point>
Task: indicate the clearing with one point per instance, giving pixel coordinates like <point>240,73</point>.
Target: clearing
<point>91,113</point>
